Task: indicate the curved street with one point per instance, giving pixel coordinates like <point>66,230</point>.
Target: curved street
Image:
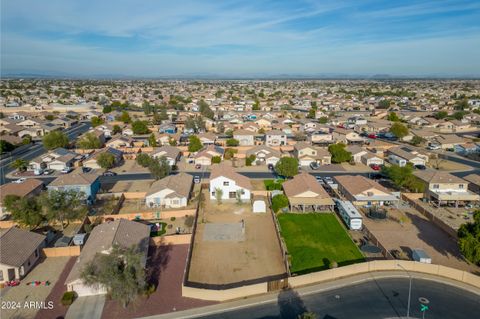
<point>379,298</point>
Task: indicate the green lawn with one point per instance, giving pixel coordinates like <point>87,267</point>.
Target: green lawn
<point>315,240</point>
<point>273,184</point>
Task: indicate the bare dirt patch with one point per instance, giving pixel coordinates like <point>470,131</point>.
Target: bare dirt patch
<point>407,229</point>
<point>226,261</point>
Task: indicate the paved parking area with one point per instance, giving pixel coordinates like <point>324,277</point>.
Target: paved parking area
<point>89,307</point>
<point>48,269</point>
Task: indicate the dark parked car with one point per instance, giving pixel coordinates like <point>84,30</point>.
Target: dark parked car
<point>109,173</point>
<point>314,165</point>
<point>421,167</point>
<point>86,169</point>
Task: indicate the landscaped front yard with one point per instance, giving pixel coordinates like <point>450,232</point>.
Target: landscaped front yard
<point>315,241</point>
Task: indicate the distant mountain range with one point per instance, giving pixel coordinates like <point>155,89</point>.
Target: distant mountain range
<point>213,76</point>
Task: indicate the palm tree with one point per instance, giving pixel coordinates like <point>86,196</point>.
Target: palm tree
<point>19,164</point>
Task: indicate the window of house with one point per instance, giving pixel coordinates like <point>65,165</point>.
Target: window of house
<point>1,275</point>
<point>460,186</point>
<point>232,195</point>
<point>213,193</point>
<point>225,183</point>
<point>435,186</point>
<point>36,252</point>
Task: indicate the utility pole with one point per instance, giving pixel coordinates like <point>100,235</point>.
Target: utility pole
<point>409,289</point>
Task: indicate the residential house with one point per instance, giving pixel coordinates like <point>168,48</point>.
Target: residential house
<point>207,138</point>
<point>321,137</point>
<point>244,137</point>
<point>170,192</point>
<point>88,184</point>
<point>171,153</point>
<point>264,155</point>
<point>231,184</point>
<point>121,232</point>
<point>92,161</point>
<point>402,155</point>
<point>264,123</point>
<point>57,159</point>
<point>362,191</point>
<point>473,182</point>
<point>167,128</point>
<point>448,141</point>
<point>275,138</point>
<point>306,194</point>
<point>205,155</point>
<point>357,152</point>
<point>64,122</point>
<point>341,135</point>
<point>19,252</point>
<point>467,148</point>
<point>120,142</point>
<point>306,154</point>
<point>444,188</point>
<point>371,159</point>
<point>30,187</point>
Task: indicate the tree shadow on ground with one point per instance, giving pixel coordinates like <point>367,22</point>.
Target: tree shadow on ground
<point>157,261</point>
<point>290,304</point>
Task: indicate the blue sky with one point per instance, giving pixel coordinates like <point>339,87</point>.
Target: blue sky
<point>161,38</point>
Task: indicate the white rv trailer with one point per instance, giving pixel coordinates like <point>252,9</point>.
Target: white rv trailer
<point>349,214</point>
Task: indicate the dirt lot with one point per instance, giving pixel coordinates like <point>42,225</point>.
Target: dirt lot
<point>407,229</point>
<point>48,269</point>
<point>224,261</point>
<point>128,186</point>
<point>166,265</point>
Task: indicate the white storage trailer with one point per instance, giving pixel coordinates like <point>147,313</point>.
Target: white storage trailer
<point>349,214</point>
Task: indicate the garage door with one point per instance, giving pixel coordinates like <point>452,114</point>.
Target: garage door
<point>56,166</point>
<point>83,290</point>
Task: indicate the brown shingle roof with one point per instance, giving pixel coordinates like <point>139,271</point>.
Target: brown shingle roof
<point>74,179</point>
<point>227,171</point>
<point>438,177</point>
<point>304,182</point>
<point>181,184</point>
<point>20,190</point>
<point>355,184</point>
<point>473,178</point>
<point>18,245</point>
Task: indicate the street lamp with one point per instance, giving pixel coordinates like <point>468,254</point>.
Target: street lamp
<point>409,289</point>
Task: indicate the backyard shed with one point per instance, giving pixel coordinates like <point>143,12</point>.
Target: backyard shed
<point>259,204</point>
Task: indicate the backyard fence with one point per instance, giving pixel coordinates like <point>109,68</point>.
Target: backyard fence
<point>431,216</point>
<point>278,229</point>
<point>62,251</point>
<point>398,266</point>
<point>385,252</point>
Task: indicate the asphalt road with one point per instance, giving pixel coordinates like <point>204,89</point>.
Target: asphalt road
<point>37,150</point>
<point>380,298</point>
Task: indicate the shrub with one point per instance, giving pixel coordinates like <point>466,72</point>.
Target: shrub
<point>216,159</point>
<point>150,290</point>
<point>68,298</point>
<point>172,219</point>
<point>278,202</point>
<point>333,264</point>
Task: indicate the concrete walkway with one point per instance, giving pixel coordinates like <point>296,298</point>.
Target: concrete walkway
<point>90,307</point>
<point>307,290</point>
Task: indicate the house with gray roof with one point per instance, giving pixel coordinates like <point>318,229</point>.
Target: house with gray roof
<point>121,232</point>
<point>172,191</point>
<point>19,252</point>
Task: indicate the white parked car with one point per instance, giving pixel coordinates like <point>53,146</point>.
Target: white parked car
<point>20,180</point>
<point>66,170</point>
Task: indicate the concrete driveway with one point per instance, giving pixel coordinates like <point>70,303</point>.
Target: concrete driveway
<point>90,307</point>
